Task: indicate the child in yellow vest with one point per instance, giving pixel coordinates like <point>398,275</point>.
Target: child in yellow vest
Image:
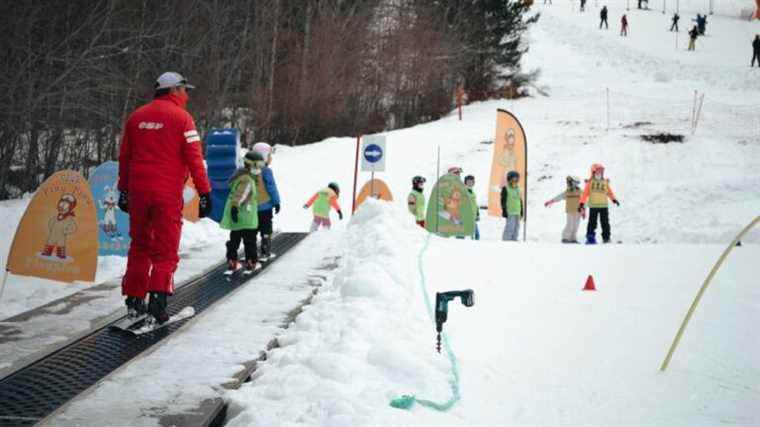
<point>572,198</point>
<point>416,200</point>
<point>321,202</point>
<point>596,193</point>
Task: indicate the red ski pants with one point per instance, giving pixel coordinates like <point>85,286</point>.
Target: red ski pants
<point>155,226</point>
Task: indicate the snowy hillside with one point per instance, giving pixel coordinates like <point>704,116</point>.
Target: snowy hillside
<point>534,349</point>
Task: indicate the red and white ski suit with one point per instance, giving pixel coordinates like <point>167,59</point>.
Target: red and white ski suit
<point>160,145</point>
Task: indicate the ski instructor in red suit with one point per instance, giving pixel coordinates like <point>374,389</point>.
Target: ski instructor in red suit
<point>159,147</point>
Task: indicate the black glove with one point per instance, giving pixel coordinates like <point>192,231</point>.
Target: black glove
<point>204,206</point>
<point>340,215</point>
<point>581,207</point>
<point>234,214</point>
<point>306,206</point>
<point>123,201</point>
<point>277,208</point>
<point>616,202</point>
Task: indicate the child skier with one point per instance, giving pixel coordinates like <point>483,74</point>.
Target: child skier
<point>511,207</point>
<point>572,197</point>
<point>321,202</point>
<point>241,214</point>
<point>693,34</point>
<point>268,199</point>
<point>416,200</point>
<point>596,192</point>
<point>469,182</point>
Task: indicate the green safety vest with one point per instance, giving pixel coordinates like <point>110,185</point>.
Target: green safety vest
<point>418,210</point>
<point>321,206</point>
<point>514,203</point>
<point>474,202</point>
<point>248,217</point>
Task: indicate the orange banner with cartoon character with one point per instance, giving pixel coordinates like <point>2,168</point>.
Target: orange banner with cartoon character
<point>378,189</point>
<point>510,153</point>
<point>57,237</point>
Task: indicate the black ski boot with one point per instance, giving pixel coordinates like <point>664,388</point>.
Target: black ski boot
<point>135,307</point>
<point>266,248</point>
<point>157,307</point>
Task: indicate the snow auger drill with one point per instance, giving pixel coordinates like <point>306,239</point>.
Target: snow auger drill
<point>442,299</point>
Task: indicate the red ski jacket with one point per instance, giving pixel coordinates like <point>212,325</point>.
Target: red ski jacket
<point>159,147</point>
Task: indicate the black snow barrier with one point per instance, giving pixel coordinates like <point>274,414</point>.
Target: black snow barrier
<point>663,138</point>
<point>36,391</point>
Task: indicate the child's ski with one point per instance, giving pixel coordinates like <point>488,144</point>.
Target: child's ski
<point>128,324</point>
<point>183,314</point>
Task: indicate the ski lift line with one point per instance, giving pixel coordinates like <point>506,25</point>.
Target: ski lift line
<point>701,292</point>
<point>406,401</point>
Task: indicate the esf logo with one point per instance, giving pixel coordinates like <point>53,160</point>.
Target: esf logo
<point>150,125</point>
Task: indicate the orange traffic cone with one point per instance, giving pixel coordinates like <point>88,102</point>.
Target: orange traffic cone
<point>589,284</point>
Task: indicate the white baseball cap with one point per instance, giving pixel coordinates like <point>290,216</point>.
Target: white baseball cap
<point>171,79</point>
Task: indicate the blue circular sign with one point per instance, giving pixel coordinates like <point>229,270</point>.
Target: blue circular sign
<point>373,153</point>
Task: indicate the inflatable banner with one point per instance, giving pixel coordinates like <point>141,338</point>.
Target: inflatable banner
<point>57,237</point>
<point>510,153</point>
<point>113,224</point>
<point>375,188</point>
<point>223,157</point>
<point>191,201</point>
<point>449,212</point>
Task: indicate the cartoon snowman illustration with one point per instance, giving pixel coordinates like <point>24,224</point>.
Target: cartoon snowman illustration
<point>108,204</point>
<point>60,226</point>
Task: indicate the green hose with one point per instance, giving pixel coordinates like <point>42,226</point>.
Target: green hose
<point>406,401</point>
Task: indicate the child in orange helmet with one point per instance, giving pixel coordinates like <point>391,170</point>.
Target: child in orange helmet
<point>595,194</point>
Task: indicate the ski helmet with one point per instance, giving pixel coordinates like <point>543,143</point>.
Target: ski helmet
<point>455,170</point>
<point>265,149</point>
<point>512,175</point>
<point>469,178</point>
<point>418,180</point>
<point>597,167</point>
<point>573,180</point>
<point>334,187</point>
<point>254,160</point>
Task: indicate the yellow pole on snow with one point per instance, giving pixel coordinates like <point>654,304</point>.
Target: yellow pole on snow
<point>694,304</point>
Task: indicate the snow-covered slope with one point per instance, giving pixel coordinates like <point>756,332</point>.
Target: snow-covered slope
<point>534,349</point>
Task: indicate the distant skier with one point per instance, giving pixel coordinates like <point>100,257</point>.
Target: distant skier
<point>416,200</point>
<point>624,26</point>
<point>268,199</point>
<point>241,213</point>
<point>603,18</point>
<point>693,34</point>
<point>756,51</point>
<point>583,5</point>
<point>674,22</point>
<point>701,21</point>
<point>595,193</point>
<point>511,207</point>
<point>320,204</point>
<point>469,182</point>
<point>550,1</point>
<point>572,197</point>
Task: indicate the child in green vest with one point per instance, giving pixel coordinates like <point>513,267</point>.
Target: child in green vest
<point>241,214</point>
<point>572,197</point>
<point>596,193</point>
<point>416,200</point>
<point>511,207</point>
<point>469,182</point>
<point>320,204</point>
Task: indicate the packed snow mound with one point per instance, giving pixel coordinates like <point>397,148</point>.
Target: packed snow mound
<point>365,339</point>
